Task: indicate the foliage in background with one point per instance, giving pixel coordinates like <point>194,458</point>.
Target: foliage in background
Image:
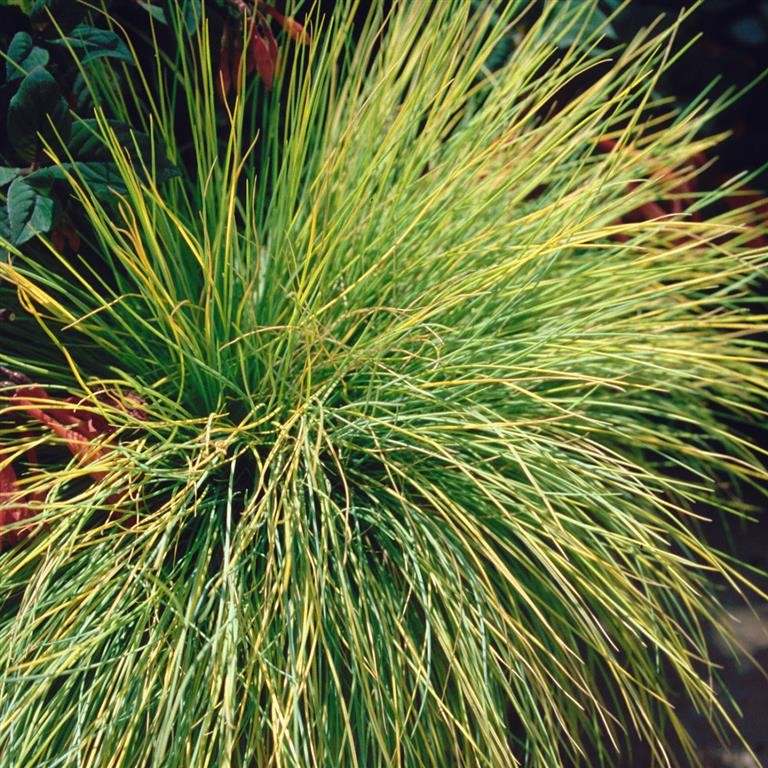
<point>428,412</point>
<point>46,102</point>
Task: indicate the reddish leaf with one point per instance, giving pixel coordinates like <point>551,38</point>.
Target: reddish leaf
<point>57,240</point>
<point>238,57</point>
<point>297,31</point>
<point>292,28</point>
<point>63,423</point>
<point>73,239</point>
<point>77,426</point>
<point>272,45</point>
<point>14,508</point>
<point>263,49</point>
<point>64,237</point>
<point>9,512</point>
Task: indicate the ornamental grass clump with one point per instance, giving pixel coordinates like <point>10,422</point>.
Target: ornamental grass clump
<point>414,385</point>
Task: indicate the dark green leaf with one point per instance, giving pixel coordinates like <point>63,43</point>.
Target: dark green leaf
<point>192,15</point>
<point>82,95</point>
<point>37,108</point>
<point>39,8</point>
<point>101,177</point>
<point>155,11</point>
<point>86,142</point>
<point>23,56</point>
<point>7,175</point>
<point>748,31</point>
<point>5,226</point>
<point>29,212</point>
<point>500,54</point>
<point>166,172</point>
<point>25,5</point>
<point>66,13</point>
<point>95,43</point>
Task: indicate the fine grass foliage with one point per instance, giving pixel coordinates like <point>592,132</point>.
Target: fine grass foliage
<point>431,418</point>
